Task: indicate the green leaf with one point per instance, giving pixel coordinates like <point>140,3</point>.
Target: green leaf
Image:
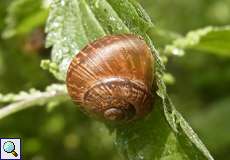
<point>23,16</point>
<point>153,138</point>
<point>74,23</point>
<point>52,67</point>
<point>214,40</point>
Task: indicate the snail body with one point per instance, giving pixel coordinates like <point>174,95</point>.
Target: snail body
<point>112,78</point>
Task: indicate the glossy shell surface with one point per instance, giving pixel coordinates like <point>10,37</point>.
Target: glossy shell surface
<point>112,78</point>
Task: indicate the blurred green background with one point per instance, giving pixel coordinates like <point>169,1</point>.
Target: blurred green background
<point>201,90</point>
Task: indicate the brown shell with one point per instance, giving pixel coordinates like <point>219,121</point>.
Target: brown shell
<point>111,78</point>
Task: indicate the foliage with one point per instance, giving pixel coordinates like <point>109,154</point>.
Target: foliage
<point>211,39</point>
<point>23,16</point>
<point>53,93</point>
<point>131,18</point>
<point>71,24</point>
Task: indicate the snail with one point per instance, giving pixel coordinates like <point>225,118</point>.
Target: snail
<point>112,78</point>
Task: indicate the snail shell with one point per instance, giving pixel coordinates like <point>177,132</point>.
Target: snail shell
<point>112,78</point>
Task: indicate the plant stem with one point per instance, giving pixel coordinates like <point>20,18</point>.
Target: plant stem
<point>52,93</point>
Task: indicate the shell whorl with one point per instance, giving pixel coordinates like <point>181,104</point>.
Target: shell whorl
<point>112,78</point>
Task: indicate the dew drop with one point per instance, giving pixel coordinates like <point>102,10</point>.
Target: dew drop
<point>112,18</point>
<point>55,24</point>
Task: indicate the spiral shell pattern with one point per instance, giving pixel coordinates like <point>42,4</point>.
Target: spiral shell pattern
<point>112,78</point>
